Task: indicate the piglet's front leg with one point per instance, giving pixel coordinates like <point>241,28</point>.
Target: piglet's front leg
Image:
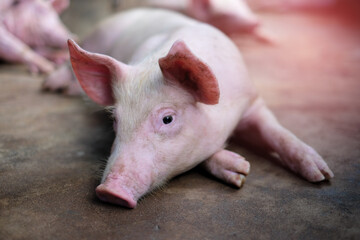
<point>260,128</point>
<point>14,50</point>
<point>62,80</point>
<point>228,167</point>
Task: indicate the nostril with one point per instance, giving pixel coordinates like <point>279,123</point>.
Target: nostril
<point>115,196</point>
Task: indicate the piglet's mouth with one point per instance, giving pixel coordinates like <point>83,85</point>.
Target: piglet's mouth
<point>116,196</point>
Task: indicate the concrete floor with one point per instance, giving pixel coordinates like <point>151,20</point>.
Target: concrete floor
<point>51,149</point>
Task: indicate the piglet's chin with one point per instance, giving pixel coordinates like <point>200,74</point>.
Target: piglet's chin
<point>116,195</point>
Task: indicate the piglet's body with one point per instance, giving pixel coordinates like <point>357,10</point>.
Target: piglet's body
<point>179,90</point>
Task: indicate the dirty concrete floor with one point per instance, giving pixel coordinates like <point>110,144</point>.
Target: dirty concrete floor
<point>52,147</point>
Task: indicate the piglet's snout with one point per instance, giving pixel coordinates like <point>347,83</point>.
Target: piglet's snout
<point>115,195</point>
<point>125,185</point>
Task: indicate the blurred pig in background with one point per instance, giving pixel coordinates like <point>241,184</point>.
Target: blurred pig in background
<point>230,16</point>
<point>31,32</point>
<point>351,8</point>
<point>286,5</point>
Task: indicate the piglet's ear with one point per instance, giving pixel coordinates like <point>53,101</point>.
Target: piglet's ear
<point>95,73</point>
<point>182,67</point>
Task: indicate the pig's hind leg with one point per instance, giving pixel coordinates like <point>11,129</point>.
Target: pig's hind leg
<point>260,128</point>
<point>228,167</point>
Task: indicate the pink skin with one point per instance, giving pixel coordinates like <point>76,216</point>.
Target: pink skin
<point>260,128</point>
<point>228,166</point>
<point>286,5</point>
<point>177,98</point>
<point>36,46</point>
<point>230,16</point>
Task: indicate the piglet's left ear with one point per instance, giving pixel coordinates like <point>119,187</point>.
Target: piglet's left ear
<point>182,67</point>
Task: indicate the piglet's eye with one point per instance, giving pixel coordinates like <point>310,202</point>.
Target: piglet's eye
<point>167,119</point>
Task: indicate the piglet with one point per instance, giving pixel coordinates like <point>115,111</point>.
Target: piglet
<point>230,16</point>
<point>179,90</point>
<point>31,32</point>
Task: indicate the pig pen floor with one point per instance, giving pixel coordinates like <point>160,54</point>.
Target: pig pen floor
<point>52,147</point>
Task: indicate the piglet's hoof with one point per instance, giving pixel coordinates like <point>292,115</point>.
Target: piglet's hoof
<point>62,80</point>
<point>229,167</point>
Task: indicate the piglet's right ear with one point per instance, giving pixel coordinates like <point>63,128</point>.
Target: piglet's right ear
<point>95,73</point>
<point>182,67</point>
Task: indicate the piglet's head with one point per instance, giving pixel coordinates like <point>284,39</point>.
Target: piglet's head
<point>157,111</point>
